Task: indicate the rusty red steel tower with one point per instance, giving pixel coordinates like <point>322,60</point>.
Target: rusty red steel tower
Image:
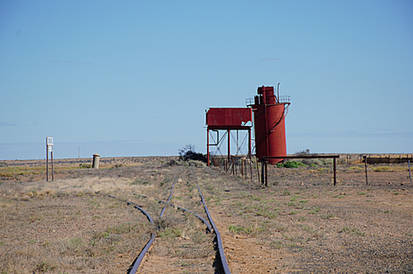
<point>269,124</point>
<point>228,119</point>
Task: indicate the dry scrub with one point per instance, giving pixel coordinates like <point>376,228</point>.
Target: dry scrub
<point>299,223</point>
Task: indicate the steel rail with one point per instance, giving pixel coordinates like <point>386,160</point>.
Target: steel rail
<point>143,252</point>
<point>168,200</point>
<point>136,263</point>
<point>193,213</point>
<point>202,219</point>
<point>224,262</point>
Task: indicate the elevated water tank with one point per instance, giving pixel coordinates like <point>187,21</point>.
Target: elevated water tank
<point>269,122</point>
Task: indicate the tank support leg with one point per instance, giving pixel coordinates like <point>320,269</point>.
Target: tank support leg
<point>365,169</point>
<point>249,143</point>
<point>207,146</point>
<point>229,145</point>
<point>264,170</point>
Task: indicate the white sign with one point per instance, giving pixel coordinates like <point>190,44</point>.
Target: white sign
<point>49,141</point>
<point>49,144</point>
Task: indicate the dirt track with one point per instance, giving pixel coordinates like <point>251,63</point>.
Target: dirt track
<point>299,223</point>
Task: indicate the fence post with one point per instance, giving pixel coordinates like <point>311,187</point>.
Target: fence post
<point>250,162</point>
<point>262,173</point>
<point>365,169</point>
<point>47,162</point>
<point>334,171</point>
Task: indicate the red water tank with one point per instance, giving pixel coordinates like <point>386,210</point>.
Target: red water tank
<point>269,123</point>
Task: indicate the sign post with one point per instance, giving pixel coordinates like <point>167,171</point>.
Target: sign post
<point>49,148</point>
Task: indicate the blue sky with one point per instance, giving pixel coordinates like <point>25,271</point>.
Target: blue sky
<point>135,77</point>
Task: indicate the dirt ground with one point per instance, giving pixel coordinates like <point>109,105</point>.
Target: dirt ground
<point>300,222</point>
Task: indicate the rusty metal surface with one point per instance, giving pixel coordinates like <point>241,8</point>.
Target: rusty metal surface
<point>228,118</point>
<point>269,125</point>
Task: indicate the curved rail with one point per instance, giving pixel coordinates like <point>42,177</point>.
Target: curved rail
<point>218,236</point>
<point>143,252</point>
<point>136,263</point>
<point>209,228</point>
<point>169,199</point>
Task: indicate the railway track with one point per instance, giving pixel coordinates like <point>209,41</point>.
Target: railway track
<point>220,264</point>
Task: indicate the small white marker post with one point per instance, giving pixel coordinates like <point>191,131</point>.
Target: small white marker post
<point>49,148</point>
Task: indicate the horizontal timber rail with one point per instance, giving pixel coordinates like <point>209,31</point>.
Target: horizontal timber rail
<point>306,156</point>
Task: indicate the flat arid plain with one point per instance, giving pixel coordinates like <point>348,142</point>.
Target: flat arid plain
<point>81,223</point>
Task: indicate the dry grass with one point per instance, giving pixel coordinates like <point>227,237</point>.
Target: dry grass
<point>299,223</point>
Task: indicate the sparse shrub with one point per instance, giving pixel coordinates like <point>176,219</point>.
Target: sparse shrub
<point>304,152</point>
<point>188,153</point>
<point>239,229</point>
<point>356,168</point>
<point>290,164</point>
<point>43,267</point>
<point>170,232</point>
<point>172,163</point>
<point>314,210</point>
<point>267,212</point>
<point>382,169</point>
<point>354,231</point>
<point>122,228</point>
<point>276,244</point>
<point>199,237</point>
<point>138,181</point>
<point>327,216</point>
<point>286,193</point>
<point>75,243</point>
<point>84,165</point>
<point>312,162</point>
<point>291,203</point>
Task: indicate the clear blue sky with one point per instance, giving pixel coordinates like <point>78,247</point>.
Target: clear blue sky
<point>135,77</point>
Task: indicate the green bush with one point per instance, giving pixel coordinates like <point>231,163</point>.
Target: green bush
<point>290,164</point>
